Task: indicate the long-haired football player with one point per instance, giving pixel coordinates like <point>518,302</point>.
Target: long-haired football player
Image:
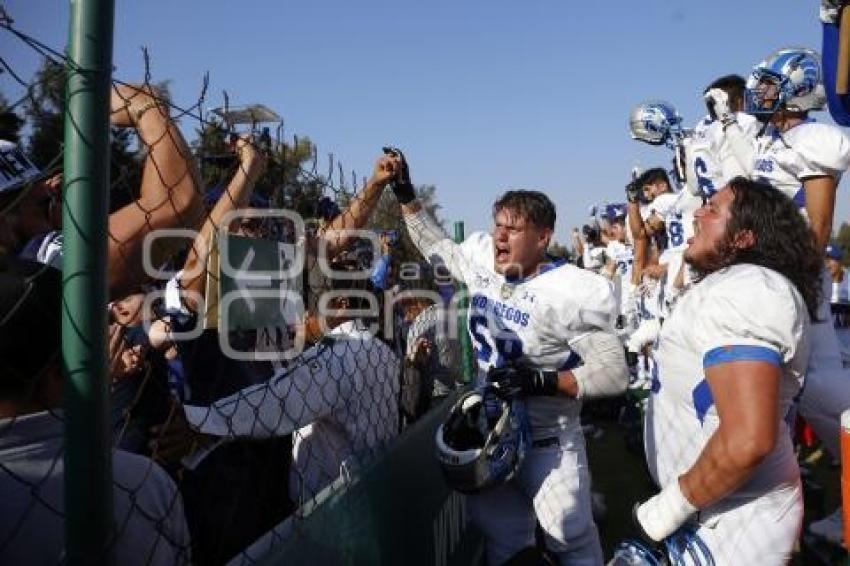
<point>804,160</point>
<point>730,360</point>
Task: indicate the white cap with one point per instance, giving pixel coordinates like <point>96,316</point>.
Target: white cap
<point>845,420</point>
<point>15,167</point>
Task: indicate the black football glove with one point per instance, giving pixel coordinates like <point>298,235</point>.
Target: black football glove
<point>401,186</point>
<point>526,381</point>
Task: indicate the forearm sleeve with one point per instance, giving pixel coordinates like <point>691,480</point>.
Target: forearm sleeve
<point>434,243</point>
<point>738,153</point>
<point>604,372</point>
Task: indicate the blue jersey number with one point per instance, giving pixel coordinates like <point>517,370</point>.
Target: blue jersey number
<point>676,231</point>
<point>496,350</point>
<point>704,184</point>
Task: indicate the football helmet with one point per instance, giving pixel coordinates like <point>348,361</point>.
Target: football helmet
<point>655,122</point>
<point>483,440</point>
<point>789,77</point>
<point>682,548</point>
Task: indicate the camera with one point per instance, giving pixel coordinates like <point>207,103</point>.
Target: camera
<point>591,233</point>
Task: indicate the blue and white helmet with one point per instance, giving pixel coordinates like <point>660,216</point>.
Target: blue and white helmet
<point>477,449</point>
<point>796,72</point>
<point>655,122</point>
<point>682,548</point>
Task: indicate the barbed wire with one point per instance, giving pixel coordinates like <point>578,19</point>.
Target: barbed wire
<point>186,384</point>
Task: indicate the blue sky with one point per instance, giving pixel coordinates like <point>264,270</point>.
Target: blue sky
<point>483,95</point>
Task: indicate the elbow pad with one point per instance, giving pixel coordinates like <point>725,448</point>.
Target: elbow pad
<point>604,372</point>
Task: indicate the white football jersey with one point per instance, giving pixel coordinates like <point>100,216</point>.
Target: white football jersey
<point>594,257</point>
<point>806,150</point>
<point>533,321</point>
<point>744,312</point>
<point>706,150</point>
<point>703,174</point>
<point>623,256</point>
<point>677,211</point>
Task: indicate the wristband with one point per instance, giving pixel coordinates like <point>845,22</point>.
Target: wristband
<point>661,515</point>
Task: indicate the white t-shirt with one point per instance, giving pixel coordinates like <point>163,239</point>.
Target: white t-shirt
<point>744,312</point>
<point>534,321</point>
<point>151,527</point>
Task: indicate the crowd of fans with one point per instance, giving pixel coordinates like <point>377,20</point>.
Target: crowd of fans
<point>318,394</point>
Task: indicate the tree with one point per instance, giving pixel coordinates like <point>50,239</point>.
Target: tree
<point>558,251</point>
<point>289,180</point>
<point>387,217</point>
<point>44,111</point>
<point>10,122</point>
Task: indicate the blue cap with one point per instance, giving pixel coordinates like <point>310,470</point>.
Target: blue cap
<point>616,211</point>
<point>834,252</point>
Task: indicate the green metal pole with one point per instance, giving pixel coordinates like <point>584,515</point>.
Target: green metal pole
<point>88,462</point>
<point>467,371</point>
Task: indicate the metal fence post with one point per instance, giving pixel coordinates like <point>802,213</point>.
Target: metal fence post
<point>88,469</point>
<point>466,364</point>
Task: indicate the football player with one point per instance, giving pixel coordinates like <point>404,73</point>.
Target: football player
<point>542,330</point>
<point>620,258</point>
<point>711,161</point>
<point>804,160</point>
<point>730,360</point>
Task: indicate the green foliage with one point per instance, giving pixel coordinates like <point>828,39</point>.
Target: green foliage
<point>288,182</point>
<point>43,111</point>
<point>10,122</point>
<point>558,251</point>
<point>387,216</point>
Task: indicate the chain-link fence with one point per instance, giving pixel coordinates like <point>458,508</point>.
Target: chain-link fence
<point>260,304</point>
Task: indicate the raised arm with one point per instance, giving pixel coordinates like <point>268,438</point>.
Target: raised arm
<point>638,231</point>
<point>428,237</point>
<point>336,234</point>
<point>168,197</point>
<point>252,163</point>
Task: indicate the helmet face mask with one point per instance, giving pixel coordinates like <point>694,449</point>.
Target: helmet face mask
<point>790,78</point>
<point>483,441</point>
<point>765,96</point>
